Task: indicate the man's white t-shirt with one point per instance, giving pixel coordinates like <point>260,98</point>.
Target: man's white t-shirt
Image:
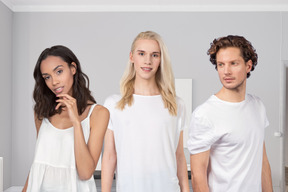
<point>234,134</point>
<point>146,139</point>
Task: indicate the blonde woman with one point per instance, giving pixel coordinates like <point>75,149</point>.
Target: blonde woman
<point>144,139</point>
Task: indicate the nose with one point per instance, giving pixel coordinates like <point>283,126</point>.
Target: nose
<point>148,59</point>
<point>55,80</point>
<point>227,70</point>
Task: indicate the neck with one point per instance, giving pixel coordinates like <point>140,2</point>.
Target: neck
<point>231,95</point>
<point>146,88</point>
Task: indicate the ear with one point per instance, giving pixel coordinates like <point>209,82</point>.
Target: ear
<point>131,57</point>
<point>248,66</point>
<point>73,68</point>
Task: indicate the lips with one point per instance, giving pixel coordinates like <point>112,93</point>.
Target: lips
<point>58,90</point>
<point>228,79</point>
<point>147,69</point>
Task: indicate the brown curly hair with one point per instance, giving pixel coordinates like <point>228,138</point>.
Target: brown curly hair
<point>247,50</point>
<point>45,99</point>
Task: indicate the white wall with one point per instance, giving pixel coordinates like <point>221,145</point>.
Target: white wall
<point>102,41</point>
<point>6,91</point>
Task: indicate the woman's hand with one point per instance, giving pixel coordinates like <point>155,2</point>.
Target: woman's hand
<point>70,104</point>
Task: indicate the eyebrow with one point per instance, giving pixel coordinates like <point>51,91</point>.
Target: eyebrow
<point>229,61</point>
<point>145,51</point>
<point>53,69</point>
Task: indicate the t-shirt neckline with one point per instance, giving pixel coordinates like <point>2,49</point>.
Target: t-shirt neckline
<point>136,95</point>
<point>231,103</point>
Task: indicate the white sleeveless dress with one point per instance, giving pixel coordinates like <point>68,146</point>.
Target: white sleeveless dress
<point>54,168</point>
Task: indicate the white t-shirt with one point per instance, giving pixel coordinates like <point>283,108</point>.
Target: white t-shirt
<point>234,133</point>
<point>146,139</point>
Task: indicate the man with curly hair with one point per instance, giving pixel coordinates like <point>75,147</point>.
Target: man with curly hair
<point>226,138</point>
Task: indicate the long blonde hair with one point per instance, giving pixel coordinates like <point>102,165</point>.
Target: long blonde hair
<point>164,77</point>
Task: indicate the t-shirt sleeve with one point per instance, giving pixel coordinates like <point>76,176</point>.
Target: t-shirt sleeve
<point>110,104</point>
<point>266,121</point>
<point>262,110</point>
<point>201,134</point>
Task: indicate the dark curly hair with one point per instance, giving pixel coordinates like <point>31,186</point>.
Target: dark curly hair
<point>247,50</point>
<point>45,99</point>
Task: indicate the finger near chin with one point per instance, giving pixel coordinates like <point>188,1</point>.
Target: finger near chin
<point>63,95</point>
<point>59,105</point>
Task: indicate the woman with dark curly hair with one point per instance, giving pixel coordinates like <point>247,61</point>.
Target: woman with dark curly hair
<point>70,125</point>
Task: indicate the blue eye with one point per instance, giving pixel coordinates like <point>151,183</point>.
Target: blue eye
<point>155,55</point>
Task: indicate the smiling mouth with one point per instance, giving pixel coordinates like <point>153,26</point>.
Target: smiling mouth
<point>59,89</point>
<point>146,69</point>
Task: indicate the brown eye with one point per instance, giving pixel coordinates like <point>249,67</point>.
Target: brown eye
<point>59,72</point>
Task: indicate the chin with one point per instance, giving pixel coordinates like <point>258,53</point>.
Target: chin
<point>232,87</point>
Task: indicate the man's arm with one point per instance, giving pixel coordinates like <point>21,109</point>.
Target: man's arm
<point>199,165</point>
<point>266,173</point>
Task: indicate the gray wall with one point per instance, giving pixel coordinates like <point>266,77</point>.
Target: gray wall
<point>102,41</point>
<point>284,53</point>
<point>6,17</point>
